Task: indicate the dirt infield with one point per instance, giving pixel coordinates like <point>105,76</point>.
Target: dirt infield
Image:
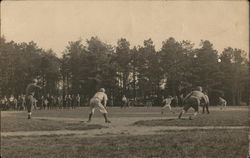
<point>130,121</point>
<point>134,132</point>
<point>119,126</point>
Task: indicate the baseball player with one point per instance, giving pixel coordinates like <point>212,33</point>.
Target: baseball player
<point>222,102</point>
<point>30,92</point>
<point>96,102</point>
<point>167,101</point>
<point>193,100</point>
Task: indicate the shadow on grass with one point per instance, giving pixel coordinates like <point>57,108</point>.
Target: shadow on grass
<point>219,118</point>
<point>160,122</point>
<point>83,126</point>
<point>12,124</point>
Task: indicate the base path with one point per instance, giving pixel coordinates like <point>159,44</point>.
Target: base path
<point>118,127</point>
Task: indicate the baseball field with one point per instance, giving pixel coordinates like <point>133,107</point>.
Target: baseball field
<point>135,132</point>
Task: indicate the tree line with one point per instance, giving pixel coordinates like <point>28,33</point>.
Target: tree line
<point>137,72</point>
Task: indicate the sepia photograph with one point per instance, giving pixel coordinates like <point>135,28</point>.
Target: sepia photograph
<point>124,79</point>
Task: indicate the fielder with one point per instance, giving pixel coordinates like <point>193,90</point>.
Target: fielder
<point>193,100</point>
<point>30,92</point>
<point>222,102</point>
<point>167,103</point>
<point>96,102</point>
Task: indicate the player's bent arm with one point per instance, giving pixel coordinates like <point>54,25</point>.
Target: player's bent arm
<point>37,86</point>
<point>105,99</point>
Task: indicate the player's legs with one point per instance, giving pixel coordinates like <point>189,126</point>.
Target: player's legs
<point>207,108</point>
<point>190,102</point>
<point>222,104</point>
<point>166,106</point>
<point>195,105</point>
<point>203,107</point>
<point>185,109</point>
<point>170,108</point>
<point>163,108</point>
<point>103,110</point>
<point>181,113</point>
<point>93,103</point>
<point>29,103</point>
<point>91,114</point>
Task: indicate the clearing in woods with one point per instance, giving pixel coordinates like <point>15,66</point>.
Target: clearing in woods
<point>132,129</point>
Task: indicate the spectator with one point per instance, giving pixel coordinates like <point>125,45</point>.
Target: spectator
<point>78,100</point>
<point>124,101</point>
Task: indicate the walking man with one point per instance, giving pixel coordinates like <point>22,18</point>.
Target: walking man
<point>96,102</point>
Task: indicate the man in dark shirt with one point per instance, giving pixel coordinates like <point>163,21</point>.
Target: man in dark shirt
<point>30,92</point>
<point>193,100</point>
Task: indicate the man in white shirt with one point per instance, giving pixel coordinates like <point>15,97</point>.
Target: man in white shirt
<point>167,101</point>
<point>96,102</point>
<point>222,102</point>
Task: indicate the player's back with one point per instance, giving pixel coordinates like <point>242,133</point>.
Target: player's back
<point>197,94</point>
<point>101,96</point>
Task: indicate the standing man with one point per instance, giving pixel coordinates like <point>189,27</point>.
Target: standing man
<point>78,100</point>
<point>96,102</point>
<point>193,100</point>
<point>124,101</point>
<point>30,92</point>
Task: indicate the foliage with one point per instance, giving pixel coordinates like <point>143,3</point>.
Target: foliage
<point>138,72</point>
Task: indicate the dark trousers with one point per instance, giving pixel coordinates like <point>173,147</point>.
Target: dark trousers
<point>29,102</point>
<point>204,105</point>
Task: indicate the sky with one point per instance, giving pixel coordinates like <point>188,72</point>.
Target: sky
<point>52,24</point>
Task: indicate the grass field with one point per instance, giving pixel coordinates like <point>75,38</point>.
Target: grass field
<point>134,133</point>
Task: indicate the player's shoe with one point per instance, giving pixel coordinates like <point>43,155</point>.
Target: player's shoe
<point>88,121</point>
<point>107,121</point>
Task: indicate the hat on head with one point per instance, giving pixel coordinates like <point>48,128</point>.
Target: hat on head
<point>198,88</point>
<point>101,90</point>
